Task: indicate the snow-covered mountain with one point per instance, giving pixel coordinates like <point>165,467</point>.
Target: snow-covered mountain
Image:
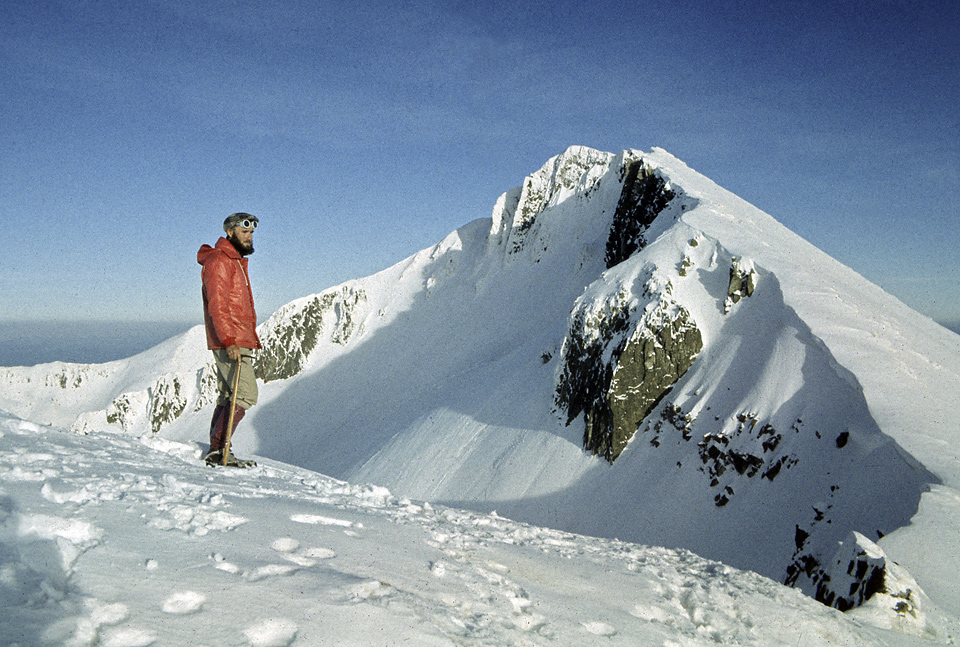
<point>623,350</point>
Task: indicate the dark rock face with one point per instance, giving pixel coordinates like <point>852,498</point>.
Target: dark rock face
<point>615,372</point>
<point>584,379</point>
<point>859,571</point>
<point>644,196</point>
<point>655,357</point>
<point>743,281</point>
<point>618,363</point>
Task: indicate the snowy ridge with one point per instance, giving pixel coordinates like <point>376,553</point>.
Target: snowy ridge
<point>626,350</point>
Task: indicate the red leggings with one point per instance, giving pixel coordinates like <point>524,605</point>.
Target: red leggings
<point>218,424</point>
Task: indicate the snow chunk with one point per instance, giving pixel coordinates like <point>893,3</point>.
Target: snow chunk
<point>320,520</point>
<point>272,632</point>
<point>184,602</point>
<point>285,545</point>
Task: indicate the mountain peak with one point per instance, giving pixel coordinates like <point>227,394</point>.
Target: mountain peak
<point>623,349</point>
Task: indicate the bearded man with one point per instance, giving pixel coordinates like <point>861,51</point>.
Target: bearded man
<point>231,323</point>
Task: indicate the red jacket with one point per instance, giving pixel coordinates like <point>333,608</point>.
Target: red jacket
<point>227,299</point>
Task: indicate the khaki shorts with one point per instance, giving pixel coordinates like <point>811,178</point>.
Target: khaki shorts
<point>247,388</point>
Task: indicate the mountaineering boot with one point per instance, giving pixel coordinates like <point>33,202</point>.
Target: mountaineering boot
<point>214,458</point>
<point>218,436</point>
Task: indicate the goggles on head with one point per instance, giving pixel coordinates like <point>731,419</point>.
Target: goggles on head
<point>241,219</point>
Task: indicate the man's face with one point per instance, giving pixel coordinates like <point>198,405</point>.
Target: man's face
<point>242,239</point>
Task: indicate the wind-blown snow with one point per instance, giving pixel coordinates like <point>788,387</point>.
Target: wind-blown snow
<point>110,539</point>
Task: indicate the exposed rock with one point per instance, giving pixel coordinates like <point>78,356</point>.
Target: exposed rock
<point>515,215</point>
<point>747,450</point>
<point>206,386</point>
<point>289,336</point>
<point>293,332</point>
<point>644,196</point>
<point>167,401</point>
<point>616,364</point>
<point>743,281</point>
<point>595,339</point>
<point>615,372</point>
<point>861,575</point>
<point>673,416</point>
<point>122,410</point>
<point>658,353</point>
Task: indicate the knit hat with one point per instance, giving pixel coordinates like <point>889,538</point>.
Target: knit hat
<point>235,218</point>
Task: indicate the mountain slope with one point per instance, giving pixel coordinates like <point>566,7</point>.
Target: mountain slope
<point>113,540</point>
<point>623,349</point>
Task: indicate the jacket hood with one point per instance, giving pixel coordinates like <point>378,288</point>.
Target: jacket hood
<point>223,245</point>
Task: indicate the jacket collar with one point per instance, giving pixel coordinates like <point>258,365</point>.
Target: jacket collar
<point>227,248</point>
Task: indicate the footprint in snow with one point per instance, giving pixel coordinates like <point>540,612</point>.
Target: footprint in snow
<point>651,613</point>
<point>221,563</point>
<point>599,628</point>
<point>108,614</point>
<point>290,550</point>
<point>370,590</point>
<point>320,520</point>
<point>319,553</point>
<point>184,603</point>
<point>272,632</point>
<point>195,520</point>
<point>127,637</point>
<point>270,570</point>
<point>529,622</point>
<point>285,545</point>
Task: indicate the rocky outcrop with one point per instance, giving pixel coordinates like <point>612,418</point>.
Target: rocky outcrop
<point>515,217</point>
<point>658,353</point>
<point>860,574</point>
<point>289,337</point>
<point>617,365</point>
<point>163,402</point>
<point>643,197</point>
<point>294,331</point>
<point>743,281</point>
<point>618,361</point>
<point>594,342</point>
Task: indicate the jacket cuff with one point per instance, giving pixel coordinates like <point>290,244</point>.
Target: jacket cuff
<point>228,342</point>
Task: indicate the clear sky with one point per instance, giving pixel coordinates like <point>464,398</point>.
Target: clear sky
<point>363,131</point>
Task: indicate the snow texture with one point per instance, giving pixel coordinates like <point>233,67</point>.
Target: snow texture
<point>110,539</point>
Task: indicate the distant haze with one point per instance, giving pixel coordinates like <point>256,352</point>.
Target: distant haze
<point>30,343</point>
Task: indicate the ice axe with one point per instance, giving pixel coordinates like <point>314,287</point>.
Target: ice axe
<point>233,409</point>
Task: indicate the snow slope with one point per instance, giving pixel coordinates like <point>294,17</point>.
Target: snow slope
<point>816,412</point>
<point>113,540</point>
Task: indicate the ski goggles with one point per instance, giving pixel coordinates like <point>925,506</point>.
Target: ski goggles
<point>244,220</point>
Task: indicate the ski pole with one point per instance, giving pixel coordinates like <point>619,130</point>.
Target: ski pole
<point>233,408</point>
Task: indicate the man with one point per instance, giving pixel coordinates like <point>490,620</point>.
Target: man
<point>231,321</point>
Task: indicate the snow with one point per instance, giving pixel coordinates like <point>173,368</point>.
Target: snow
<point>443,392</point>
<point>110,539</point>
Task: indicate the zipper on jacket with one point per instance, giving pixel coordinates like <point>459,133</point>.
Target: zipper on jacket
<point>245,279</point>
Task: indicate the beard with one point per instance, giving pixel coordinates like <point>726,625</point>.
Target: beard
<point>245,250</point>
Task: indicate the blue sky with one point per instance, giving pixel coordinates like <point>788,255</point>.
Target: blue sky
<point>361,132</point>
